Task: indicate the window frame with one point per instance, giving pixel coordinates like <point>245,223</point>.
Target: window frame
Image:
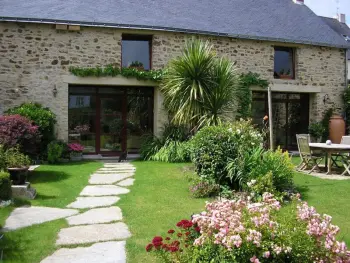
<point>284,48</point>
<point>135,37</point>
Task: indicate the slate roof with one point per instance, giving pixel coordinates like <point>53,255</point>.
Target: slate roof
<point>275,20</point>
<point>340,28</point>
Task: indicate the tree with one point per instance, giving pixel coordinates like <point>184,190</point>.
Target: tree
<point>199,88</point>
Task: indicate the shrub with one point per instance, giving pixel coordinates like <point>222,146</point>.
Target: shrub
<point>18,130</point>
<point>55,151</point>
<point>200,188</point>
<point>15,159</point>
<point>172,152</point>
<point>258,163</point>
<point>213,147</point>
<point>243,231</point>
<point>5,186</point>
<point>42,117</point>
<point>2,158</point>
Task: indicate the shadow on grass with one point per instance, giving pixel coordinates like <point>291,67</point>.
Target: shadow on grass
<point>303,190</point>
<point>47,176</point>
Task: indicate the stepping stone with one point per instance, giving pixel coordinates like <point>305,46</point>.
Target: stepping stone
<point>102,190</point>
<point>92,202</point>
<point>127,182</point>
<point>107,178</point>
<point>97,216</point>
<point>131,173</point>
<point>106,252</point>
<point>27,216</point>
<point>92,233</point>
<point>116,170</point>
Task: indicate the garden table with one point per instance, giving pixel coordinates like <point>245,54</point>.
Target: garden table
<point>329,150</point>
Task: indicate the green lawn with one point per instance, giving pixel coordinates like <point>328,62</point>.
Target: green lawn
<point>157,201</point>
<point>57,186</point>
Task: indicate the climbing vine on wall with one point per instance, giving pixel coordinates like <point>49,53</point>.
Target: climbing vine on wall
<point>113,71</point>
<point>244,96</point>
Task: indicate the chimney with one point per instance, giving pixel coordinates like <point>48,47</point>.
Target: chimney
<point>341,18</point>
<point>299,2</point>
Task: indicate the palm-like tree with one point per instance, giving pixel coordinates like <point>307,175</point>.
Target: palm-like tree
<point>199,88</point>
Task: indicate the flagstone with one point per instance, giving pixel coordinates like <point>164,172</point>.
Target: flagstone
<point>126,182</point>
<point>107,178</point>
<point>96,216</point>
<point>92,233</point>
<point>106,252</point>
<point>27,216</point>
<point>102,190</point>
<point>93,202</point>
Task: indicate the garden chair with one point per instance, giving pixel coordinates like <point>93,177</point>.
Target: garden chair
<point>338,157</point>
<point>345,158</point>
<point>307,158</point>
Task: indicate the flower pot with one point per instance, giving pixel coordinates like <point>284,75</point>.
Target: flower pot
<point>18,176</point>
<point>285,77</point>
<point>336,128</point>
<point>76,156</point>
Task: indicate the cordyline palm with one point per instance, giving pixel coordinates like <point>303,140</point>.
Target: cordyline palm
<point>199,89</point>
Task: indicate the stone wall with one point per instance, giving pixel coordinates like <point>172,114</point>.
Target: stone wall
<point>35,58</point>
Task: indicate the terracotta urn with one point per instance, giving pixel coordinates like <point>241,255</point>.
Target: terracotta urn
<point>336,128</point>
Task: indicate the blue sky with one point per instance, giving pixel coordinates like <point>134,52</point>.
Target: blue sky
<point>329,7</point>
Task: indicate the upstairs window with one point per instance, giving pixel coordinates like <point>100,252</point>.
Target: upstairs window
<point>136,51</point>
<point>284,63</point>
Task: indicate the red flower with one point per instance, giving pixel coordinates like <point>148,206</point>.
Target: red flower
<point>175,243</point>
<point>167,238</point>
<point>198,229</point>
<point>171,231</point>
<point>149,247</point>
<point>157,239</point>
<point>173,249</point>
<point>179,234</point>
<point>187,233</point>
<point>165,246</point>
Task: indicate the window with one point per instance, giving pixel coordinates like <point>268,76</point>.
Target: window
<point>284,63</point>
<point>136,51</point>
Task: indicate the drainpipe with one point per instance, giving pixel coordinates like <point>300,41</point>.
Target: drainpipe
<point>269,98</point>
<point>346,76</point>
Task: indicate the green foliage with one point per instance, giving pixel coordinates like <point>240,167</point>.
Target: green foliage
<point>57,150</point>
<point>15,159</point>
<point>258,163</point>
<point>171,147</point>
<point>136,64</point>
<point>5,186</point>
<point>199,89</point>
<point>317,130</point>
<point>42,117</point>
<point>325,123</point>
<point>244,93</point>
<point>213,147</point>
<point>2,158</point>
<point>113,71</point>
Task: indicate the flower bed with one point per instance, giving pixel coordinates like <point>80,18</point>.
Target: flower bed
<point>244,231</point>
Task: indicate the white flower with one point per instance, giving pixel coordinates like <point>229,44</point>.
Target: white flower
<point>230,130</point>
<point>238,131</point>
<point>253,181</point>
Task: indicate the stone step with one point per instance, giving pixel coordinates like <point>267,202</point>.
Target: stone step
<point>115,172</point>
<point>97,216</point>
<point>126,182</point>
<point>93,202</point>
<point>107,178</point>
<point>103,190</point>
<point>93,233</point>
<point>106,252</point>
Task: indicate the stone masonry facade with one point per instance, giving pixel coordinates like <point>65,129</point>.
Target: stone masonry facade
<point>36,57</point>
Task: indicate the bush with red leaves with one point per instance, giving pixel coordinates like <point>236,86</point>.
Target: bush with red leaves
<point>18,130</point>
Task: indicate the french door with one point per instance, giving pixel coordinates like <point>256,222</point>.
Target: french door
<point>110,120</point>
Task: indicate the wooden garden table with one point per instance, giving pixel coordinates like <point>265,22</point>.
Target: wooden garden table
<point>329,150</point>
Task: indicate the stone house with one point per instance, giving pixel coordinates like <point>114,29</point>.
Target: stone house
<point>303,59</point>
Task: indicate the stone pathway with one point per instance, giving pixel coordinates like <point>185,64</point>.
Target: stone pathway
<point>99,226</point>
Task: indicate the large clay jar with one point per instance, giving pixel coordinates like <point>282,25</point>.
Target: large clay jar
<point>336,128</point>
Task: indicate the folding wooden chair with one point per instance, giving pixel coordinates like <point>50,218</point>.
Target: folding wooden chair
<point>345,158</point>
<point>338,157</point>
<point>307,158</point>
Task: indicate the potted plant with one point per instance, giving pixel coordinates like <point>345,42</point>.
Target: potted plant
<point>17,165</point>
<point>137,65</point>
<point>316,130</point>
<point>285,74</point>
<point>76,151</point>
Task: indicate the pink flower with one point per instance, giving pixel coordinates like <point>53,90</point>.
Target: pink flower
<point>266,254</point>
<point>76,147</point>
<point>254,260</point>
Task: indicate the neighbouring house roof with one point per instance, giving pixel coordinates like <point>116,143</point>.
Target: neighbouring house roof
<point>274,20</point>
<point>341,28</point>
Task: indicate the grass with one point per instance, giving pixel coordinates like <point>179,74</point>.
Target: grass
<point>57,186</point>
<point>157,201</point>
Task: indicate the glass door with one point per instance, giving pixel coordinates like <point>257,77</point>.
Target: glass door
<point>111,124</point>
